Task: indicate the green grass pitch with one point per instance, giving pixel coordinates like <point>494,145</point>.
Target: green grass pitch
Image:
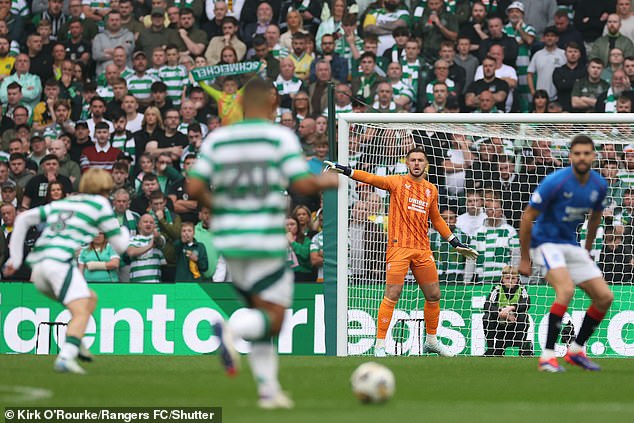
<point>428,389</point>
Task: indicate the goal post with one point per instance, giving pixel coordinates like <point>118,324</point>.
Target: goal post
<point>475,149</point>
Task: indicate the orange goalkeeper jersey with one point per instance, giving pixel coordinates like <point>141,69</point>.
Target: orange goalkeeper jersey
<point>412,205</point>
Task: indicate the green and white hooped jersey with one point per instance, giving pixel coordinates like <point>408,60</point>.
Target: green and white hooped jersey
<point>175,78</point>
<point>146,268</point>
<point>71,224</point>
<point>250,164</point>
<point>141,86</point>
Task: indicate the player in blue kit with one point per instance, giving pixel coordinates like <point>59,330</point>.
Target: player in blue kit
<point>560,204</point>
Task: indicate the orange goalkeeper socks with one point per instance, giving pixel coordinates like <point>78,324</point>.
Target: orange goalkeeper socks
<point>431,311</point>
<point>385,317</point>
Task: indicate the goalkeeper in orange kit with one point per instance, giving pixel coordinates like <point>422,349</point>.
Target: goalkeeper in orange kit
<point>413,203</point>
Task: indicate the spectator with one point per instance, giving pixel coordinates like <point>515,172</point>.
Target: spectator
<point>264,17</point>
<point>457,74</point>
<point>157,34</point>
<point>586,90</point>
<point>270,67</point>
<point>524,35</point>
<point>97,111</point>
<point>451,265</point>
<point>440,94</point>
<point>403,94</point>
<point>298,251</point>
<point>624,10</point>
<point>104,43</point>
<point>318,90</point>
<point>98,262</point>
<point>365,86</point>
<point>19,173</point>
<point>37,188</point>
<point>616,187</point>
<point>490,82</point>
<point>620,85</point>
<point>14,100</point>
<point>441,73</point>
<point>30,84</point>
<point>615,61</point>
<point>128,18</point>
<point>317,251</point>
<point>338,65</point>
<point>467,61</point>
<point>540,14</point>
<point>67,167</point>
<point>506,319</point>
<point>544,62</point>
<point>102,154</point>
<point>626,174</point>
<point>382,21</point>
<point>151,128</point>
<point>272,37</point>
<point>229,37</point>
<point>475,29</point>
<point>385,99</point>
<point>568,33</point>
<point>497,36</point>
<point>217,268</point>
<point>40,54</point>
<point>310,11</point>
<point>616,260</point>
<point>613,38</point>
<point>564,77</point>
<point>333,25</point>
<point>496,241</point>
<point>171,141</point>
<point>120,172</point>
<point>38,148</point>
<point>145,252</point>
<point>434,26</point>
<point>540,102</point>
<point>300,57</point>
<point>216,11</point>
<point>190,38</point>
<point>191,256</point>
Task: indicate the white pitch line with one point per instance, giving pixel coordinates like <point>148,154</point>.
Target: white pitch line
<point>14,393</point>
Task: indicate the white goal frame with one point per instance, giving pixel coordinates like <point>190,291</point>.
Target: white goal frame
<point>346,119</point>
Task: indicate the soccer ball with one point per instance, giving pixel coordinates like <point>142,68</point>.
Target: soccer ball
<point>372,383</point>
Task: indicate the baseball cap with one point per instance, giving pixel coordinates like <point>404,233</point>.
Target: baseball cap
<point>158,11</point>
<point>81,123</point>
<point>138,53</point>
<point>37,136</point>
<point>515,5</point>
<point>550,30</point>
<point>8,185</point>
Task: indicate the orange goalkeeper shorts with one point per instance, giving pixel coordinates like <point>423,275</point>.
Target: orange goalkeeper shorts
<point>422,263</point>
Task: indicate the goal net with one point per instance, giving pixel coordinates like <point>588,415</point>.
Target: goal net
<point>485,168</point>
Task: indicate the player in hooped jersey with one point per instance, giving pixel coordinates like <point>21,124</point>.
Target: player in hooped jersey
<point>250,164</point>
<point>413,202</point>
<point>71,223</point>
<point>560,204</point>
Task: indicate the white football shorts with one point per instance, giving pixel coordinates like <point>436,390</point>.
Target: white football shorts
<point>60,281</point>
<point>270,279</point>
<point>575,258</point>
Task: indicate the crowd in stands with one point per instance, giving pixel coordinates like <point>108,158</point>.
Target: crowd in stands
<point>108,84</point>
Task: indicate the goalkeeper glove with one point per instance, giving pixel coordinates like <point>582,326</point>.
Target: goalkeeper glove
<point>336,167</point>
<point>465,250</point>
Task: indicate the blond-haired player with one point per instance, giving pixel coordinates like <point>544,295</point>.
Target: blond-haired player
<point>70,224</point>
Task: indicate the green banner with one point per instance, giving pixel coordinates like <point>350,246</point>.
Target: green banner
<point>154,319</point>
<point>461,320</point>
<point>210,72</point>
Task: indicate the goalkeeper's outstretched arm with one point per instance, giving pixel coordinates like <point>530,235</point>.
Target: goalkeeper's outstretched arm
<point>359,175</point>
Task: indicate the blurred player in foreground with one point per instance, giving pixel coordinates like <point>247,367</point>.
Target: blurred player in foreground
<point>250,164</point>
<point>71,223</point>
<point>413,202</point>
<point>560,204</point>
